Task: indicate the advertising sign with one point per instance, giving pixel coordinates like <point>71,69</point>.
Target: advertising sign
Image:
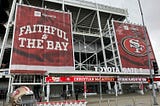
<point>132,79</point>
<point>93,79</point>
<point>131,40</point>
<point>42,40</point>
<point>80,79</point>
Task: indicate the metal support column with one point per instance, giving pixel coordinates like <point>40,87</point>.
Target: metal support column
<point>148,54</point>
<point>43,86</point>
<point>113,50</point>
<point>73,89</point>
<point>80,60</point>
<point>120,87</point>
<point>9,23</point>
<point>116,88</point>
<point>119,58</point>
<point>48,91</point>
<point>101,36</point>
<point>9,88</point>
<point>63,6</point>
<point>102,42</point>
<point>67,88</point>
<point>85,89</point>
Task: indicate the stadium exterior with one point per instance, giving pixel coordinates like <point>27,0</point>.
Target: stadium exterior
<point>95,51</point>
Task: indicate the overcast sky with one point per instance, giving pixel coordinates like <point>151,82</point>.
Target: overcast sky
<point>151,13</point>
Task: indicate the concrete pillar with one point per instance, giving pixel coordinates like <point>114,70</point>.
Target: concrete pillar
<point>116,88</point>
<point>48,91</point>
<point>120,87</point>
<point>73,89</point>
<point>85,89</point>
<point>109,87</point>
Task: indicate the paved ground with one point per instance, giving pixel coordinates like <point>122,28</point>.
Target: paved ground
<point>123,100</point>
<point>133,99</point>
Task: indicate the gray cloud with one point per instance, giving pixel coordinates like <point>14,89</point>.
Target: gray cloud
<point>151,11</point>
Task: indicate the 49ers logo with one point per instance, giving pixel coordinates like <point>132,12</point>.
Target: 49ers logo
<point>134,46</point>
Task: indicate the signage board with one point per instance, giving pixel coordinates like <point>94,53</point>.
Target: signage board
<point>131,40</point>
<point>42,40</point>
<point>50,79</point>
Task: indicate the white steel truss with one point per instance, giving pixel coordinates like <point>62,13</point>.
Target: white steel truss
<point>93,37</point>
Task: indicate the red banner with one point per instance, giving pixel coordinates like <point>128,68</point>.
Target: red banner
<point>42,40</point>
<point>131,42</point>
<point>93,79</point>
<point>80,79</point>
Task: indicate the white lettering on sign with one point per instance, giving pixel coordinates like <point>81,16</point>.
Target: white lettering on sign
<point>42,42</point>
<point>135,70</point>
<point>107,69</point>
<point>124,70</point>
<point>132,79</point>
<point>38,43</point>
<point>38,28</point>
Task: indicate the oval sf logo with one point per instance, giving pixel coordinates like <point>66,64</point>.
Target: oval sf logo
<point>134,46</point>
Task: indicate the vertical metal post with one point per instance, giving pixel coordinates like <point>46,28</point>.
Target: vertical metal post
<point>119,58</point>
<point>43,88</point>
<point>80,59</point>
<point>73,89</point>
<point>120,87</point>
<point>101,35</point>
<point>63,6</point>
<point>149,61</point>
<point>7,30</point>
<point>48,91</point>
<point>113,50</point>
<point>9,89</point>
<point>67,89</point>
<point>102,42</point>
<point>100,90</point>
<point>115,87</point>
<point>20,1</point>
<point>43,83</point>
<point>85,90</point>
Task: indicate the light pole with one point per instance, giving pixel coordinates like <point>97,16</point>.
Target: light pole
<point>149,61</point>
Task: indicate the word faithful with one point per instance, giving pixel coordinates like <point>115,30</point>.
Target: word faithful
<point>37,28</point>
<point>42,39</point>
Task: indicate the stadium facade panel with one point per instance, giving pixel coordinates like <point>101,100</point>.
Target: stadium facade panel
<point>92,32</point>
